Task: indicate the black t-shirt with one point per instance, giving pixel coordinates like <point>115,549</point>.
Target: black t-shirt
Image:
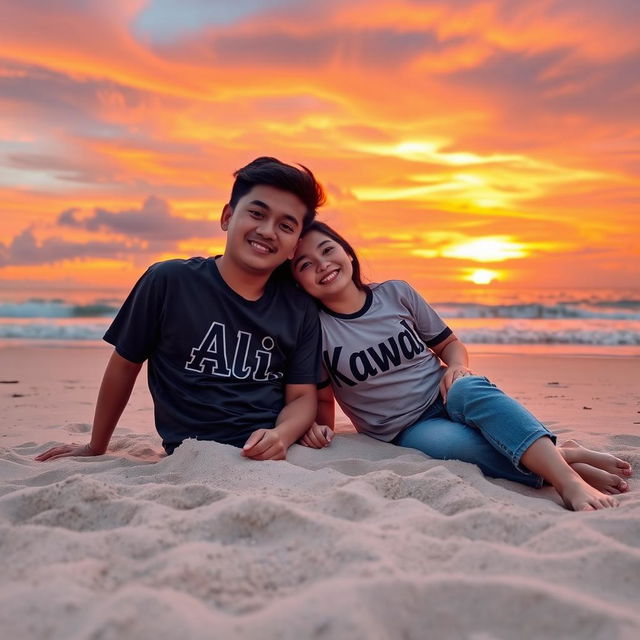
<point>218,363</point>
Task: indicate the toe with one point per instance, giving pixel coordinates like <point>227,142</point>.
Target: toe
<point>616,485</point>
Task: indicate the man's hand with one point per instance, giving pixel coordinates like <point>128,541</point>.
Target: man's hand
<point>318,436</point>
<point>265,444</point>
<point>67,451</point>
<point>117,383</point>
<point>451,374</point>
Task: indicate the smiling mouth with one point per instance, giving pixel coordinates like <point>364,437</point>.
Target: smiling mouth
<point>261,247</point>
<point>330,277</point>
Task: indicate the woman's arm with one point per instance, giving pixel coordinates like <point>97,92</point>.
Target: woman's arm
<point>454,354</point>
<point>320,433</point>
<point>326,407</point>
<point>296,416</point>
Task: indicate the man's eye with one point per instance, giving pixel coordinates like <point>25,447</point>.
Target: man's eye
<point>255,214</point>
<point>287,227</point>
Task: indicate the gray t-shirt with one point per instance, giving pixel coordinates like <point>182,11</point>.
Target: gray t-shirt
<point>382,370</point>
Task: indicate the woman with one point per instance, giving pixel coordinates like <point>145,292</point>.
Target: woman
<point>402,376</point>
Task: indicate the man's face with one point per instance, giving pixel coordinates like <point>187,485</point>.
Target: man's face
<point>263,229</point>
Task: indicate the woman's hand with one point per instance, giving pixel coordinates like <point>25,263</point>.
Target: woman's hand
<point>452,374</point>
<point>318,436</point>
<point>67,451</point>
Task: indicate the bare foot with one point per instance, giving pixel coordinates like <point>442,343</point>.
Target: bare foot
<point>604,481</point>
<point>573,452</point>
<point>579,496</point>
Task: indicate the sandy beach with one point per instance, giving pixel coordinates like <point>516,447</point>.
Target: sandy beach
<point>361,540</point>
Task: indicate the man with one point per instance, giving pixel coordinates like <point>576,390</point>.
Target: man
<point>232,350</point>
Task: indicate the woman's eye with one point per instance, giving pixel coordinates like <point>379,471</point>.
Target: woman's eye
<point>327,250</point>
<point>304,265</point>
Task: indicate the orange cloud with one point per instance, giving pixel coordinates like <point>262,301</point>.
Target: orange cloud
<point>433,124</point>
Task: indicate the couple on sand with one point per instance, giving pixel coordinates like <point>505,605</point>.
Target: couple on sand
<point>241,354</point>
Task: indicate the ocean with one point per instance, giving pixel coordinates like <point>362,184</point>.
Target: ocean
<point>480,316</point>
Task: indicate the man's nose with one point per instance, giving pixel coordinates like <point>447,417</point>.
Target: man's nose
<point>266,229</point>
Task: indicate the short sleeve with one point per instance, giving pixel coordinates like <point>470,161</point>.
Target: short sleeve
<point>135,330</point>
<point>304,366</point>
<point>429,325</point>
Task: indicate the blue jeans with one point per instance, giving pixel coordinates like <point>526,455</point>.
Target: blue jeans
<point>478,424</point>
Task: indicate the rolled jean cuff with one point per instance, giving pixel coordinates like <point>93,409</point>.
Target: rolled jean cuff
<point>525,444</point>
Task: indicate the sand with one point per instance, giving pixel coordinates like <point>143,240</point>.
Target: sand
<point>360,540</point>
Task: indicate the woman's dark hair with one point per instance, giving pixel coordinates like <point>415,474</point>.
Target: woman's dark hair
<point>325,229</point>
<point>270,171</point>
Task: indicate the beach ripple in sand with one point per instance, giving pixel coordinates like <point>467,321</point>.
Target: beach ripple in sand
<point>360,540</point>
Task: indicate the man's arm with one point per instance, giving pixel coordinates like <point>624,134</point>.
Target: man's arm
<point>454,354</point>
<point>115,390</point>
<point>294,420</point>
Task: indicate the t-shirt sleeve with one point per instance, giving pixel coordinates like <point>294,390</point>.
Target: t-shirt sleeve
<point>323,377</point>
<point>135,329</point>
<point>429,325</point>
<point>305,366</point>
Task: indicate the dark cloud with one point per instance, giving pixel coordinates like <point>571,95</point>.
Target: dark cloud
<point>70,120</point>
<point>611,90</point>
<point>187,179</point>
<point>61,168</point>
<point>147,231</point>
<point>376,47</point>
<point>65,100</point>
<point>621,12</point>
<point>511,72</point>
<point>152,223</point>
<point>68,217</point>
<point>24,249</point>
<point>531,86</point>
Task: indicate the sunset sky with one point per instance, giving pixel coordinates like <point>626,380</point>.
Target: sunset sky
<point>459,140</point>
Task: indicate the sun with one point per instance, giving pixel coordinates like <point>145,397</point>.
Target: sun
<point>482,276</point>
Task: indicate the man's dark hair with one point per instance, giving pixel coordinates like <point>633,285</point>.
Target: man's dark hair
<point>270,171</point>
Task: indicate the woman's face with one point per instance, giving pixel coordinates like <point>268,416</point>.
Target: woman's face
<point>321,266</point>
